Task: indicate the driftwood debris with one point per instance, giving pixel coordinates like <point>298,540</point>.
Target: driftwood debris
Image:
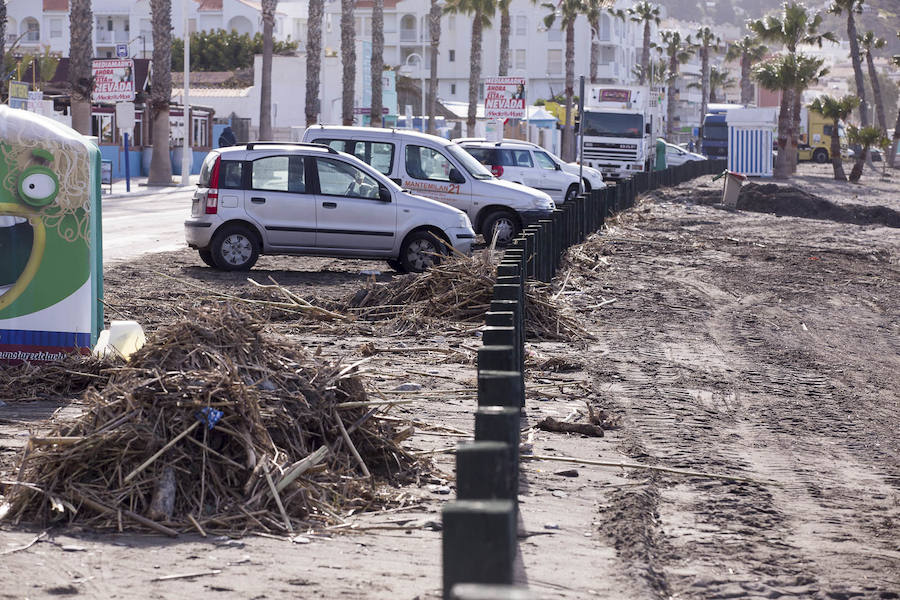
<point>554,425</point>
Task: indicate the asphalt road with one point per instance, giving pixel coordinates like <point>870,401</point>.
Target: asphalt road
<point>146,220</point>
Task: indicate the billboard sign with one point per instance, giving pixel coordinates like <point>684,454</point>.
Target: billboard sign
<point>113,80</point>
<point>504,97</point>
<point>18,94</point>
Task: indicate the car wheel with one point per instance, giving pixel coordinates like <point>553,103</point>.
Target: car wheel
<point>501,223</point>
<point>571,193</point>
<point>206,257</point>
<point>396,265</point>
<point>820,156</point>
<point>420,251</point>
<point>234,248</point>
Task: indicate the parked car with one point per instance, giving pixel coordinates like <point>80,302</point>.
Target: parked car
<point>524,163</point>
<point>441,170</point>
<point>676,155</point>
<point>309,199</point>
<point>592,179</point>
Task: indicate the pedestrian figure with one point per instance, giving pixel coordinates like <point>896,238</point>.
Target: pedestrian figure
<point>227,138</point>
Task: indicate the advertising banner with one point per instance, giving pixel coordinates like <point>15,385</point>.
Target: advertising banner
<point>18,94</point>
<point>504,97</point>
<point>113,80</point>
<point>51,271</point>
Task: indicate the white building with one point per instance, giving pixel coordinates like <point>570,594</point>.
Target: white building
<point>45,23</point>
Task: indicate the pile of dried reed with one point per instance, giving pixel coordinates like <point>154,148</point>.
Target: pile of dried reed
<point>458,289</point>
<point>217,427</point>
<point>62,380</point>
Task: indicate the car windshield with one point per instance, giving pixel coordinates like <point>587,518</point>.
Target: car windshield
<point>613,124</point>
<point>717,132</point>
<point>469,162</point>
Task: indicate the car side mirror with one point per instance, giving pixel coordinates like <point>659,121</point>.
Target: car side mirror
<point>557,166</point>
<point>456,176</point>
<point>384,194</point>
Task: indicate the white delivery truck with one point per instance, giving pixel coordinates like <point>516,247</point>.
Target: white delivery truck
<point>619,126</point>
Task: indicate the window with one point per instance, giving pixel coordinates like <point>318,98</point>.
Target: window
<point>554,62</point>
<point>33,30</point>
<point>337,178</point>
<point>607,55</point>
<point>521,158</point>
<point>451,23</point>
<point>521,25</point>
<point>482,155</point>
<point>231,174</point>
<point>199,134</point>
<point>278,174</point>
<point>519,62</point>
<point>452,89</point>
<point>827,129</point>
<point>408,29</point>
<point>56,28</point>
<point>109,25</point>
<point>425,163</point>
<point>544,161</point>
<point>379,155</point>
<point>451,55</point>
<point>102,127</point>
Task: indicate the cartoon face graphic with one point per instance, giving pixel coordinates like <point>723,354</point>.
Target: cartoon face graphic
<point>45,177</point>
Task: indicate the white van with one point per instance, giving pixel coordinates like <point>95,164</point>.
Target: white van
<point>439,169</point>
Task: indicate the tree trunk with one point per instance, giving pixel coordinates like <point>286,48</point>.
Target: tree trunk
<point>645,54</point>
<point>782,166</point>
<point>313,60</point>
<point>670,96</point>
<point>797,106</point>
<point>434,24</point>
<point>348,61</point>
<point>505,27</point>
<point>2,44</point>
<point>568,131</point>
<point>857,70</point>
<point>836,160</point>
<point>81,51</point>
<point>595,47</point>
<point>265,92</point>
<point>704,84</point>
<point>161,91</point>
<point>746,85</point>
<point>474,72</point>
<point>876,92</point>
<point>892,157</point>
<point>857,170</point>
<point>377,64</point>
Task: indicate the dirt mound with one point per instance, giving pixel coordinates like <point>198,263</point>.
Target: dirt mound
<point>790,201</point>
<point>214,426</point>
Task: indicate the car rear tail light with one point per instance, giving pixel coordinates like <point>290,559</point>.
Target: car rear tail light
<point>212,196</point>
<point>497,170</point>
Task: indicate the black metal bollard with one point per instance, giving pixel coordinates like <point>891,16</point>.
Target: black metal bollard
<point>478,542</point>
<point>500,318</point>
<point>500,388</point>
<point>482,471</point>
<point>546,253</point>
<point>501,424</point>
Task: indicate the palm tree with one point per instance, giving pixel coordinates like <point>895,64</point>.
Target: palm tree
<point>313,59</point>
<point>646,13</point>
<point>793,26</point>
<point>677,51</point>
<point>567,11</point>
<point>809,71</point>
<point>870,42</point>
<point>778,74</point>
<point>505,28</point>
<point>853,7</point>
<point>348,61</point>
<point>265,92</point>
<point>718,79</point>
<point>2,43</point>
<point>160,92</point>
<point>892,155</point>
<point>706,40</point>
<point>749,50</point>
<point>837,110</point>
<point>865,137</point>
<point>81,52</point>
<point>434,29</point>
<point>481,12</point>
<point>377,63</point>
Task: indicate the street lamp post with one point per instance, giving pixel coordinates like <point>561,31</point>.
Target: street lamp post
<point>422,74</point>
<point>186,102</point>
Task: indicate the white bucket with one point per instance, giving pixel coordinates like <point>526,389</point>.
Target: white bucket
<point>123,338</point>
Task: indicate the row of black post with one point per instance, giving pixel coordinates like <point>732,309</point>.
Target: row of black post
<point>480,526</point>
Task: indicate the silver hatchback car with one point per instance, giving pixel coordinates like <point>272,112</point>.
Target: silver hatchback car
<point>309,199</point>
